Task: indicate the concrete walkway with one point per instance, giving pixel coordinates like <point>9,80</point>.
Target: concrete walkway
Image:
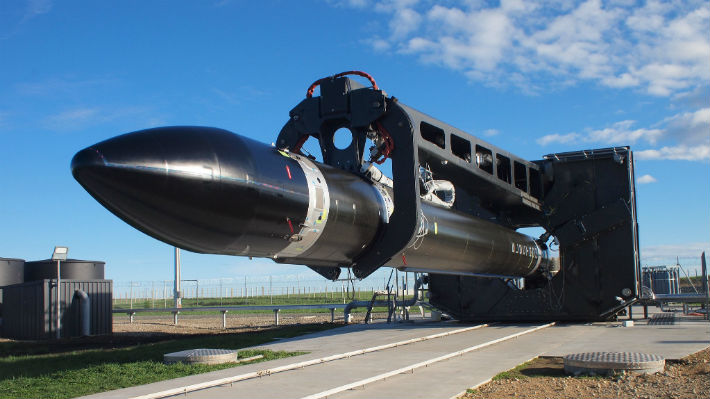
<point>440,380</point>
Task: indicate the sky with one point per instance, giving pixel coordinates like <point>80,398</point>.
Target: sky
<point>531,77</point>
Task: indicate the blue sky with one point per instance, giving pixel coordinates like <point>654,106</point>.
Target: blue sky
<point>530,77</point>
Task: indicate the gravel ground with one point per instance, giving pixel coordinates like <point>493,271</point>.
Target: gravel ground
<point>688,378</point>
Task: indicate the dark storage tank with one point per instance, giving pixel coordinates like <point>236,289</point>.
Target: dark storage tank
<point>72,269</point>
<point>12,271</point>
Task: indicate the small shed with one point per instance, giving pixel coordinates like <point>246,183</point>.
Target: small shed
<point>29,308</point>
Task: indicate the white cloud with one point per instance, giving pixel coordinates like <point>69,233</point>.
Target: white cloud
<point>559,138</point>
<point>691,250</point>
<point>491,132</point>
<point>15,17</point>
<point>676,153</point>
<point>659,47</point>
<point>686,137</point>
<point>620,133</point>
<point>646,179</point>
<point>35,8</point>
<point>61,86</point>
<point>404,22</point>
<point>690,127</point>
<point>84,117</point>
<point>73,117</point>
<point>380,45</point>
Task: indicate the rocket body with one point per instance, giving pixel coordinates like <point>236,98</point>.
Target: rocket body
<point>208,190</point>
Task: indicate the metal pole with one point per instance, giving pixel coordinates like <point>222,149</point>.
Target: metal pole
<point>271,292</point>
<point>706,289</point>
<point>59,296</point>
<point>178,302</point>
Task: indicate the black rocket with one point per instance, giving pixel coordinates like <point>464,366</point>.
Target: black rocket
<point>208,190</point>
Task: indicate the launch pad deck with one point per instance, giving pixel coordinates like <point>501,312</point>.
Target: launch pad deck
<point>470,357</point>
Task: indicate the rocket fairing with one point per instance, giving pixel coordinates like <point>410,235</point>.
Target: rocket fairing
<point>208,190</point>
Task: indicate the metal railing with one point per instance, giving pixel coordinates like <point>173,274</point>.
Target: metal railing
<point>226,309</point>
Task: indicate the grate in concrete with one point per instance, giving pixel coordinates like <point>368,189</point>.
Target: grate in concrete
<point>201,356</point>
<point>662,319</point>
<point>610,362</point>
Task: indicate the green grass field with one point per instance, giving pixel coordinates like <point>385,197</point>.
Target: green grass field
<point>77,373</point>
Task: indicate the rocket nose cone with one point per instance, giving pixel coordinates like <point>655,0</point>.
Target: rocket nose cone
<point>87,157</point>
<point>202,189</point>
<point>85,161</point>
<point>158,180</point>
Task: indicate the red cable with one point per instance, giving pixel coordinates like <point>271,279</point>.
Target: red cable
<point>297,148</point>
<point>389,143</point>
<point>315,84</point>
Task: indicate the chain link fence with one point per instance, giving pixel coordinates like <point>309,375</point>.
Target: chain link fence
<point>258,290</point>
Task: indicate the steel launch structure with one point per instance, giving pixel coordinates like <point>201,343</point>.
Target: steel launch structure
<point>451,208</point>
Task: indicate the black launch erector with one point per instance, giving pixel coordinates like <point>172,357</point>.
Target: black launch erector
<point>585,199</point>
<point>208,190</point>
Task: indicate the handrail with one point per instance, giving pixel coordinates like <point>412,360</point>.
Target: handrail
<point>234,308</point>
<point>225,309</point>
